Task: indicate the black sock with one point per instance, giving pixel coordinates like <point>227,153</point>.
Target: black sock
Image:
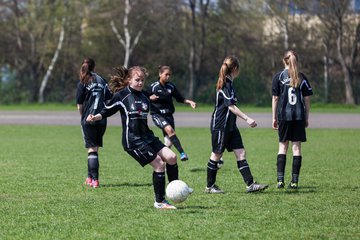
<point>211,172</point>
<point>281,163</point>
<point>159,186</point>
<point>245,171</point>
<point>172,172</point>
<point>176,142</point>
<point>93,165</point>
<point>296,169</point>
<point>89,170</point>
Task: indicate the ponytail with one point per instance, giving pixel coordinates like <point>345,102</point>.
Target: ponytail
<point>119,80</point>
<point>230,64</point>
<point>290,60</point>
<point>87,67</point>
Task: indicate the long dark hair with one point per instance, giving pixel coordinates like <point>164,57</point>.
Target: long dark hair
<point>88,66</point>
<point>230,64</point>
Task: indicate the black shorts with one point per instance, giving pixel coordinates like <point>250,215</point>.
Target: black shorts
<point>226,139</point>
<point>146,153</point>
<point>161,121</point>
<point>292,131</point>
<point>93,134</point>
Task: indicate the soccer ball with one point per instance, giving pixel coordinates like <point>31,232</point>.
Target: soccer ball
<point>177,191</point>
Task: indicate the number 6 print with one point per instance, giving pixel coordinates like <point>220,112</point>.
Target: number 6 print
<point>291,96</point>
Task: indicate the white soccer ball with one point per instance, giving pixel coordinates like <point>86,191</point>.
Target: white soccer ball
<point>178,191</point>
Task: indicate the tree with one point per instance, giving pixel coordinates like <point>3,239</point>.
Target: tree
<point>337,18</point>
<point>53,61</point>
<point>197,44</point>
<point>125,40</point>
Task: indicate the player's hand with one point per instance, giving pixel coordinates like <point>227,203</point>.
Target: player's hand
<point>154,97</point>
<point>193,104</point>
<point>274,124</point>
<point>90,118</point>
<point>251,122</point>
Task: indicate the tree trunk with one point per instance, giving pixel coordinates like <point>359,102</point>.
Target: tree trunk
<point>326,73</point>
<point>53,61</point>
<point>191,64</point>
<point>349,96</point>
<point>126,40</point>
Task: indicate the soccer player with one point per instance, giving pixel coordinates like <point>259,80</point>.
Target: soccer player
<point>92,92</point>
<point>137,139</point>
<point>290,115</point>
<point>224,132</point>
<point>162,108</point>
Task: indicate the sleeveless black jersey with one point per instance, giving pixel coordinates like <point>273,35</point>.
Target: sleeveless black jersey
<point>164,104</point>
<point>134,107</point>
<point>222,118</point>
<point>291,104</point>
<point>92,96</point>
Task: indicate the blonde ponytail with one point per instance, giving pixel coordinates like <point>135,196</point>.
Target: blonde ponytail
<point>290,60</point>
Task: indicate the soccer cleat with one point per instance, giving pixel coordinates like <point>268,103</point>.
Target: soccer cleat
<point>95,183</point>
<point>163,205</point>
<point>293,185</point>
<point>213,189</point>
<point>183,157</point>
<point>88,181</point>
<point>256,187</point>
<point>280,185</point>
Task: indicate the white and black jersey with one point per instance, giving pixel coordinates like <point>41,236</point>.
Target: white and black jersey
<point>222,118</point>
<point>291,105</point>
<point>164,104</point>
<point>92,96</point>
<point>134,107</point>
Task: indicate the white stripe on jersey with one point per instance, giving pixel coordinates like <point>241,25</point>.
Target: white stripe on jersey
<point>127,123</point>
<point>305,82</point>
<point>231,97</point>
<point>214,116</point>
<point>155,84</point>
<point>217,98</point>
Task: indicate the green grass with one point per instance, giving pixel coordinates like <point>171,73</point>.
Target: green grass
<point>42,169</point>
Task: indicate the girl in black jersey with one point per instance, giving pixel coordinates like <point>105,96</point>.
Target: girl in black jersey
<point>92,92</point>
<point>224,132</point>
<point>162,108</point>
<point>290,115</point>
<point>137,139</point>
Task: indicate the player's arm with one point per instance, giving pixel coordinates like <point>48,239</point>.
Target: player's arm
<point>80,97</point>
<point>234,109</point>
<point>80,108</point>
<point>274,106</point>
<point>192,103</point>
<point>307,110</point>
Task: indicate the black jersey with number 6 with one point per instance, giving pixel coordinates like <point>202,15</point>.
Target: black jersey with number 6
<point>291,105</point>
<point>92,96</point>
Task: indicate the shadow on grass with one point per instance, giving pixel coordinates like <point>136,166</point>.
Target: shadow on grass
<point>300,190</point>
<point>193,209</point>
<point>126,184</point>
<point>195,170</point>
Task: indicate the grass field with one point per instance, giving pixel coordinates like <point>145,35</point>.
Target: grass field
<point>42,169</point>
